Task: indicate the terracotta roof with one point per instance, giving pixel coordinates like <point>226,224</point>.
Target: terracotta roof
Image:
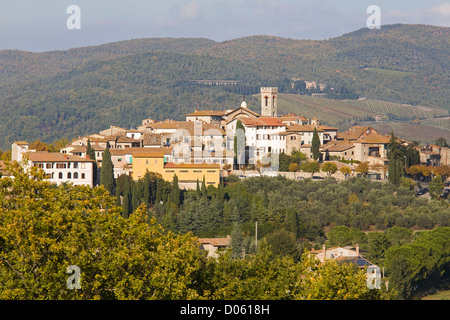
<point>218,113</point>
<point>301,128</point>
<point>150,151</point>
<point>216,241</point>
<point>55,157</point>
<point>21,143</point>
<point>374,138</point>
<point>243,109</point>
<point>186,125</point>
<point>152,139</point>
<point>144,153</point>
<point>337,146</point>
<point>354,132</point>
<point>262,121</point>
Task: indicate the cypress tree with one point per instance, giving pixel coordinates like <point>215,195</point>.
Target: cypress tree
<point>134,197</point>
<point>204,190</point>
<point>176,193</point>
<point>126,204</point>
<point>147,189</point>
<point>90,151</point>
<point>237,242</point>
<point>315,144</point>
<point>107,172</point>
<point>199,193</point>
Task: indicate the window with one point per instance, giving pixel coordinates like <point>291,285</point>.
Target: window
<point>75,165</point>
<point>49,166</point>
<point>75,175</point>
<point>60,175</point>
<point>69,175</point>
<point>266,101</point>
<point>61,166</point>
<point>82,176</point>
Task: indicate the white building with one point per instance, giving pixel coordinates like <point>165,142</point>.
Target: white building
<point>59,167</point>
<point>262,135</point>
<point>18,148</point>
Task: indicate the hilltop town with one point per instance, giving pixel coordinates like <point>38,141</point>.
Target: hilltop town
<point>202,147</point>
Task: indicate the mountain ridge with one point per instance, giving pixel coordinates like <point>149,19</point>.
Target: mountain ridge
<point>119,83</point>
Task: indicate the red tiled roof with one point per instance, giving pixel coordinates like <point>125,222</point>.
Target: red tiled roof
<point>54,157</point>
<point>262,121</point>
<point>216,241</point>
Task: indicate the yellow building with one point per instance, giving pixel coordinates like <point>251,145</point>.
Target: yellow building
<point>187,173</point>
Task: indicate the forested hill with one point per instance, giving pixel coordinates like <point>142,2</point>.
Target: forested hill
<point>68,93</point>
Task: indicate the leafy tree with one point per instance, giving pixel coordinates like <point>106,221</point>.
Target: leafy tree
<point>45,229</point>
<point>436,187</point>
<point>399,235</point>
<point>362,168</point>
<point>237,242</point>
<point>442,142</point>
<point>283,242</point>
<point>294,167</point>
<point>346,171</point>
<point>39,146</point>
<point>330,168</point>
<point>345,236</point>
<point>311,167</point>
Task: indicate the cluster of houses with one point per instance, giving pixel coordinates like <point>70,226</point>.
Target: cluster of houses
<point>202,146</point>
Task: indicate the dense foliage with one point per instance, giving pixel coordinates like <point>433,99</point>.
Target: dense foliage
<point>46,228</point>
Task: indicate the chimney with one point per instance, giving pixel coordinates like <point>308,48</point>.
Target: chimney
<point>324,250</point>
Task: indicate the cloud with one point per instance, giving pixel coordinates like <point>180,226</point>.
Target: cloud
<point>189,10</point>
<point>179,15</point>
<point>438,15</point>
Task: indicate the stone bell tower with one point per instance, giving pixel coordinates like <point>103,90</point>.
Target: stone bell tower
<point>269,102</point>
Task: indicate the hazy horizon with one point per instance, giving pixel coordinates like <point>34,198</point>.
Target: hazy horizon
<point>41,26</point>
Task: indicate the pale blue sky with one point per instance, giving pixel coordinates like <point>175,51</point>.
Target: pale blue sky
<point>40,25</point>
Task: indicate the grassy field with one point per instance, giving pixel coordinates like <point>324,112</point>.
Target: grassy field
<point>390,72</point>
<point>440,295</point>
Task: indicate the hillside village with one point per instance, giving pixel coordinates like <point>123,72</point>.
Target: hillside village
<point>202,146</point>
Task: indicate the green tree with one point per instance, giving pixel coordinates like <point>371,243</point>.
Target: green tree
<point>315,145</point>
<point>346,171</point>
<point>362,168</point>
<point>436,187</point>
<point>46,228</point>
<point>239,145</point>
<point>294,167</point>
<point>311,167</point>
<point>237,242</point>
<point>329,167</point>
<point>107,172</point>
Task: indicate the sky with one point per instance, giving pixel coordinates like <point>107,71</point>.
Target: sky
<point>42,25</point>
